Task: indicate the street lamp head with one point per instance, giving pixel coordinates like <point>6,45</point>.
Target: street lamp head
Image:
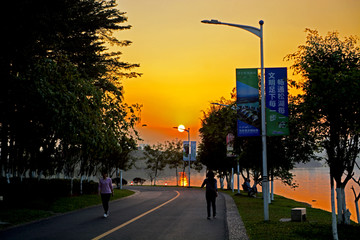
<point>261,22</point>
<point>214,103</point>
<point>212,21</point>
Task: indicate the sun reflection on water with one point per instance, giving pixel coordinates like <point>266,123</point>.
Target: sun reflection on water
<point>183,179</point>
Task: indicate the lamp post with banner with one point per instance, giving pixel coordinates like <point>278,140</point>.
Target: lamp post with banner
<point>181,128</point>
<point>259,33</point>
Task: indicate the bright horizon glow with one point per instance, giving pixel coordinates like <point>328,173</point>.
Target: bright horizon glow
<point>181,128</point>
<point>183,181</point>
<point>186,64</point>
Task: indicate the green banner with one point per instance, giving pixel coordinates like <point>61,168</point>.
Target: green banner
<point>247,100</point>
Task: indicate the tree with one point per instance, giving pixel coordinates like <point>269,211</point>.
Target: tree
<point>138,180</point>
<point>216,123</point>
<point>61,92</point>
<point>155,160</point>
<point>329,103</point>
<point>174,156</point>
<point>283,151</point>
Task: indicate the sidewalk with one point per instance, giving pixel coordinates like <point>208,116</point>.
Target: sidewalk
<point>234,224</point>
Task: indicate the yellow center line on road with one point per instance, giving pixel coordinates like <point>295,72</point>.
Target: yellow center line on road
<point>135,218</point>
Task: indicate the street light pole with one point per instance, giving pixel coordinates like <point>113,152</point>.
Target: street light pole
<point>188,131</point>
<point>258,32</point>
<point>189,151</point>
<point>263,128</point>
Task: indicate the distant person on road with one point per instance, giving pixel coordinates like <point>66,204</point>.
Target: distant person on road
<point>211,193</point>
<point>105,190</point>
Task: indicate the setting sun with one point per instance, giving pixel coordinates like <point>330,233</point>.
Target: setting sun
<point>181,128</point>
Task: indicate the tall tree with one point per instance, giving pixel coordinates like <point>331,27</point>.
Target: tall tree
<point>174,156</point>
<point>282,152</point>
<point>330,102</point>
<point>216,123</point>
<point>61,85</point>
<point>155,160</point>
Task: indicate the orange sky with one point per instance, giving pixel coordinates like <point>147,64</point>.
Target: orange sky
<point>187,64</point>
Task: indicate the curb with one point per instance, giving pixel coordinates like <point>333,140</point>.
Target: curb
<point>234,224</point>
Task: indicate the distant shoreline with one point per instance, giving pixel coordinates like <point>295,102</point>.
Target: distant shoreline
<point>311,164</point>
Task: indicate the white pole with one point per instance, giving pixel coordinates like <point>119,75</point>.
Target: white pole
<point>333,213</point>
<point>232,179</point>
<point>183,181</point>
<point>272,190</point>
<point>238,173</point>
<point>189,152</point>
<point>81,184</point>
<point>8,178</point>
<point>120,179</point>
<point>265,184</point>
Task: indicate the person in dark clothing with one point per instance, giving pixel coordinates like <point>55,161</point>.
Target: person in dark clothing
<point>251,190</point>
<point>211,193</point>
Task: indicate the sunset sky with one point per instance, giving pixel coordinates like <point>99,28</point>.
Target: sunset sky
<point>187,64</point>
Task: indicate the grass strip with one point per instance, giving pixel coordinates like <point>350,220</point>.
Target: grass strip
<point>316,226</point>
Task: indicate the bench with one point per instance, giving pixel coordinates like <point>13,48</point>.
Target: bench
<point>298,214</point>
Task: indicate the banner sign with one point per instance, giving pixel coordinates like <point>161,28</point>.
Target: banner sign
<point>277,113</point>
<point>230,138</point>
<point>189,151</point>
<point>247,93</point>
<point>193,151</point>
<point>186,151</point>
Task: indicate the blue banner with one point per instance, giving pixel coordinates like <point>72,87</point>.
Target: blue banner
<point>186,151</point>
<point>189,151</point>
<point>193,151</point>
<point>277,113</point>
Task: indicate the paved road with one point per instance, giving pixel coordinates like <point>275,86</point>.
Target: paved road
<point>152,213</point>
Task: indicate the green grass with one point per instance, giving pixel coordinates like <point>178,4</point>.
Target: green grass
<point>316,226</point>
<point>35,209</point>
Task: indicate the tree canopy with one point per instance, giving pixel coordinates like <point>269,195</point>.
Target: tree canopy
<point>156,161</point>
<point>218,121</point>
<point>61,100</point>
<point>174,156</point>
<point>329,106</point>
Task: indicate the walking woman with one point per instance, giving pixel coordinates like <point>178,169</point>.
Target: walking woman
<point>211,193</point>
<point>105,190</point>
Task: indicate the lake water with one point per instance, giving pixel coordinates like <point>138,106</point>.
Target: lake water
<point>314,185</point>
<point>314,188</point>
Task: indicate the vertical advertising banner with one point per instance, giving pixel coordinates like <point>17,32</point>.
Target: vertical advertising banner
<point>247,100</point>
<point>277,113</point>
<point>189,151</point>
<point>186,151</point>
<point>230,138</point>
<point>193,151</point>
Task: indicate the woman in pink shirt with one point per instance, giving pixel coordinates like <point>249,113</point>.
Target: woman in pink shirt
<point>105,190</point>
